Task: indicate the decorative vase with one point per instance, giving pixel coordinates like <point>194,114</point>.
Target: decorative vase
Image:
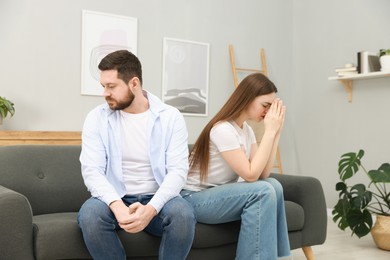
<point>385,62</point>
<point>380,232</point>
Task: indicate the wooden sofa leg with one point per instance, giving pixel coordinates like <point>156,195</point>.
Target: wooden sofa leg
<point>308,252</point>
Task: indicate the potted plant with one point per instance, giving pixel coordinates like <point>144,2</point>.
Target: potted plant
<point>357,203</point>
<point>6,106</point>
<point>384,59</point>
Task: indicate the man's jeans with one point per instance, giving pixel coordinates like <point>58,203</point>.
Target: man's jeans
<point>260,207</point>
<point>175,224</point>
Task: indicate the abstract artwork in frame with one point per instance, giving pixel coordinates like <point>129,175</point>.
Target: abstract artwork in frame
<point>102,34</point>
<point>186,76</point>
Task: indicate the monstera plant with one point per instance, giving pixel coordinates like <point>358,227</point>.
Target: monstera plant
<point>357,203</point>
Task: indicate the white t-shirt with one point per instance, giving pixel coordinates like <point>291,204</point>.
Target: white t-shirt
<point>137,172</point>
<point>224,136</point>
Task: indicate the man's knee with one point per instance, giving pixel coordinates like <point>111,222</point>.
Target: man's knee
<point>93,211</point>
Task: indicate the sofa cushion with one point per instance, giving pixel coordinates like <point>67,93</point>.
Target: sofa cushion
<point>58,236</point>
<point>216,235</point>
<point>48,244</point>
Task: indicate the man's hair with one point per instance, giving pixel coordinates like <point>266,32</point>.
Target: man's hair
<point>125,62</point>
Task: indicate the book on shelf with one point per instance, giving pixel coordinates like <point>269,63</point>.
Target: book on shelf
<point>367,62</point>
<point>347,73</point>
<point>346,69</point>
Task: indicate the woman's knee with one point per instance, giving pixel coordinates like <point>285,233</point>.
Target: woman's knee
<point>277,186</point>
<point>261,189</point>
<point>179,210</point>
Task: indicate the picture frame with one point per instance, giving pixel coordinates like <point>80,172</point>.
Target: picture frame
<point>185,79</point>
<point>102,34</point>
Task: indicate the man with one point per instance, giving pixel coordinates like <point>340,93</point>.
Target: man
<point>134,162</point>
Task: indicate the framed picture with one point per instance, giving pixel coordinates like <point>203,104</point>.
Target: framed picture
<point>102,34</point>
<point>186,76</point>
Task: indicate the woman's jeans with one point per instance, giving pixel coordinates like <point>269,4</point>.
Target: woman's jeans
<point>260,207</point>
<point>175,224</point>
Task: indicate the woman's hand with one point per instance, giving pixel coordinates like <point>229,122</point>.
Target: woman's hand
<point>274,119</point>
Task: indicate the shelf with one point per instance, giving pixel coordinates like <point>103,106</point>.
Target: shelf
<point>347,80</point>
<point>39,138</point>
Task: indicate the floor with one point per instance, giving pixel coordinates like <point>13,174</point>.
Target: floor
<point>339,245</point>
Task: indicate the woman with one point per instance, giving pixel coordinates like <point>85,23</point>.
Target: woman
<point>225,151</point>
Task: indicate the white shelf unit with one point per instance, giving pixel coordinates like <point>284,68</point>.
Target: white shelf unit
<point>348,79</point>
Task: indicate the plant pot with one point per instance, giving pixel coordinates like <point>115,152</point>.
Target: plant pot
<point>381,232</point>
<point>385,62</point>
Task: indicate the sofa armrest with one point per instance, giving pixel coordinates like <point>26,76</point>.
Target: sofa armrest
<point>16,231</point>
<point>308,193</point>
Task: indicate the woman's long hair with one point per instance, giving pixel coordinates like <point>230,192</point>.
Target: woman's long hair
<point>252,86</point>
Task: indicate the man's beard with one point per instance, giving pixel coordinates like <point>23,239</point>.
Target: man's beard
<point>120,105</point>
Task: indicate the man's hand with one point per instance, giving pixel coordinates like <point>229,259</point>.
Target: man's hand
<point>121,212</point>
<point>139,217</point>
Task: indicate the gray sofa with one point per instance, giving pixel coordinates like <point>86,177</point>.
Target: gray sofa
<point>41,190</point>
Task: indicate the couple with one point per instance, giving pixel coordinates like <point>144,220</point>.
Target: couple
<point>135,164</point>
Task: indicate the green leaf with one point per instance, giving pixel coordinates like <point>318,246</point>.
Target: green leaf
<point>349,164</point>
<point>360,197</point>
<point>360,222</point>
<point>381,175</point>
<point>341,186</point>
<point>384,52</point>
<point>10,108</point>
<point>340,212</point>
<point>3,112</point>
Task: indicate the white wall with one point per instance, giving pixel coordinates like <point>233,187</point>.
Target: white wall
<point>41,43</point>
<point>40,50</point>
<point>328,34</point>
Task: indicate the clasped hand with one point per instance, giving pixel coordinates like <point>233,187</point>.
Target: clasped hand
<point>134,218</point>
<point>275,116</point>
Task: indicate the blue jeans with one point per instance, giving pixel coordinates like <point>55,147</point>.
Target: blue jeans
<point>260,207</point>
<point>175,224</point>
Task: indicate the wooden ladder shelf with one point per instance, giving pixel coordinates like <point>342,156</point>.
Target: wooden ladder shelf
<point>256,126</point>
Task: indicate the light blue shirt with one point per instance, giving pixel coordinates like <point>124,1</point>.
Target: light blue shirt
<point>101,154</point>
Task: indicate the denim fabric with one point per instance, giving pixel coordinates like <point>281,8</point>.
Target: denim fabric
<point>260,207</point>
<point>175,223</point>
